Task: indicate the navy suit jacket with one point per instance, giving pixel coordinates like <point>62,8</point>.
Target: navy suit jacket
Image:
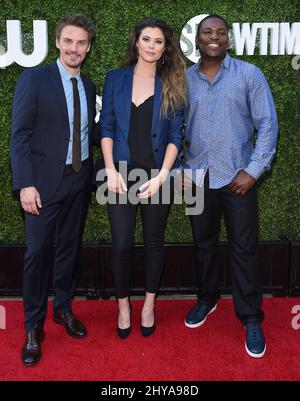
<point>115,117</point>
<point>40,129</point>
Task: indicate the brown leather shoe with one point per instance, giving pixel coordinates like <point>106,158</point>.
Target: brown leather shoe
<point>31,351</point>
<point>73,326</point>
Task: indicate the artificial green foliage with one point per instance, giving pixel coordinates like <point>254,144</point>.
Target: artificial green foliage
<point>279,190</point>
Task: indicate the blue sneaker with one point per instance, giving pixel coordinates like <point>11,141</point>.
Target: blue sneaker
<point>198,314</point>
<point>255,341</point>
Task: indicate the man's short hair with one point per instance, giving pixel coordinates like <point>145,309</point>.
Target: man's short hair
<point>209,17</point>
<point>79,20</point>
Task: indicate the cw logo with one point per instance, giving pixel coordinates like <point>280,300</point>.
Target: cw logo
<point>2,318</point>
<point>296,319</point>
<point>14,52</point>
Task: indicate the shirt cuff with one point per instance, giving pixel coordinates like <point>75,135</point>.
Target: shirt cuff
<point>254,169</point>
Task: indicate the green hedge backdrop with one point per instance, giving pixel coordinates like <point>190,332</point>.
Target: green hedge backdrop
<point>279,191</point>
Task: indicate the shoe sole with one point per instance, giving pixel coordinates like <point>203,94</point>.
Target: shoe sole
<point>194,326</point>
<point>255,355</point>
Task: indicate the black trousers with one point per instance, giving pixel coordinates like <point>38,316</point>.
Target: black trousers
<point>241,221</point>
<point>122,218</point>
<point>61,218</point>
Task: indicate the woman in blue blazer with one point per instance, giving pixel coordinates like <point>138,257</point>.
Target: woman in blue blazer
<point>141,126</point>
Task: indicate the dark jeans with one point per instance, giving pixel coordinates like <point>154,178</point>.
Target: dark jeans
<point>61,218</point>
<point>241,221</point>
<point>122,218</point>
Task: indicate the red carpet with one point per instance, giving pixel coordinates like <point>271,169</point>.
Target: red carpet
<point>214,351</point>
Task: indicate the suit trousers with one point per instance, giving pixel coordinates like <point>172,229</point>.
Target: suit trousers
<point>61,220</point>
<point>241,222</point>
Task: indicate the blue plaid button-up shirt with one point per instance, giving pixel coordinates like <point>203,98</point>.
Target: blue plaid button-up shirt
<point>221,118</point>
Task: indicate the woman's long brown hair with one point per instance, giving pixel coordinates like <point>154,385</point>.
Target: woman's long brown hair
<point>171,66</point>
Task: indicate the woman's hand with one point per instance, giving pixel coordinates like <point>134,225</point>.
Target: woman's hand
<point>115,181</point>
<point>150,187</point>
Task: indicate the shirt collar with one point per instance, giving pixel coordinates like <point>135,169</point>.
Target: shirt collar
<point>65,73</point>
<point>225,62</point>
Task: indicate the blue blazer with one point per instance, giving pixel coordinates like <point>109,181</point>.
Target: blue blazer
<point>40,129</point>
<point>115,117</point>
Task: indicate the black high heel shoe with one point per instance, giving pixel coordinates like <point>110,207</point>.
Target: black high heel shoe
<point>147,331</point>
<point>124,333</point>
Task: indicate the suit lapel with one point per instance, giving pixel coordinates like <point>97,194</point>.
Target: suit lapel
<point>128,80</point>
<point>58,87</point>
<point>157,102</point>
<point>127,98</point>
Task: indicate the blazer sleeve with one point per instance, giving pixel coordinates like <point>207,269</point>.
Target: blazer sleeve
<point>176,125</point>
<point>107,117</point>
<point>23,117</point>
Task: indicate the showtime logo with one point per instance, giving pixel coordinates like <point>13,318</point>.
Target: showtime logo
<point>273,38</point>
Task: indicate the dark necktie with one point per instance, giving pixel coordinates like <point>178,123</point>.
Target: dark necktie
<point>76,148</point>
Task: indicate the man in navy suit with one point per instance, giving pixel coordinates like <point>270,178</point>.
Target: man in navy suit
<point>53,122</point>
